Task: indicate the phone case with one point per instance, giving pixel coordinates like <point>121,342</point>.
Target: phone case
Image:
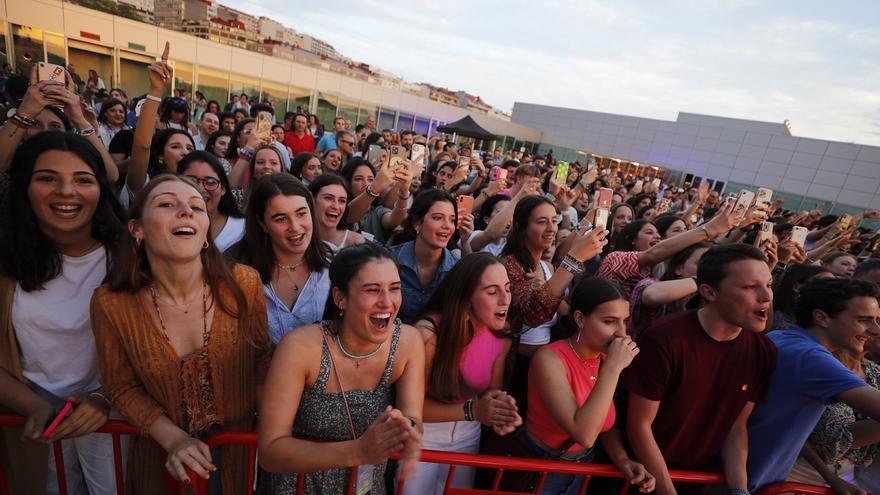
<point>50,72</point>
<point>465,207</point>
<point>55,422</point>
<point>766,232</point>
<point>374,154</point>
<point>264,128</point>
<point>464,162</point>
<point>500,173</point>
<point>562,171</point>
<point>845,221</point>
<point>656,182</point>
<point>763,196</point>
<point>605,195</point>
<point>799,235</point>
<point>417,155</point>
<point>601,218</point>
<point>639,184</point>
<point>397,153</point>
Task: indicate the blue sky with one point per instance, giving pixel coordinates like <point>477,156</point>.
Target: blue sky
<point>816,64</point>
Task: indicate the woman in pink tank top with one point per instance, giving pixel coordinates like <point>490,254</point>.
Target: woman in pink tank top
<point>571,388</point>
<point>464,366</point>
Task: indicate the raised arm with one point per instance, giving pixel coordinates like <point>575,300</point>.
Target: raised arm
<point>161,75</point>
<point>718,225</point>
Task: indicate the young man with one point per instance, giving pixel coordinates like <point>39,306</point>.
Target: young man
<point>406,139</point>
<point>298,140</point>
<point>694,384</point>
<point>328,140</point>
<point>832,314</point>
<point>227,121</point>
<point>345,143</point>
<point>209,123</point>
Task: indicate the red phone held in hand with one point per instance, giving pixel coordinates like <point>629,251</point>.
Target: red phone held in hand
<point>465,207</point>
<point>68,406</point>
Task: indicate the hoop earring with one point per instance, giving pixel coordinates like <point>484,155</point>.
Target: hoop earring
<point>207,245</point>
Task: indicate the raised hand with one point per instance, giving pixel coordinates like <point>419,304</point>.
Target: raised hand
<point>161,73</point>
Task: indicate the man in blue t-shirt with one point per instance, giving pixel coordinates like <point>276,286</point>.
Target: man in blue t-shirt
<point>328,140</point>
<point>832,314</point>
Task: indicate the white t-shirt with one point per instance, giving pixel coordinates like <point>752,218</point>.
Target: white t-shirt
<point>232,232</point>
<point>540,334</point>
<point>54,329</point>
<point>493,247</point>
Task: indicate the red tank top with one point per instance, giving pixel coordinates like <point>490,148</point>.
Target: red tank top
<point>582,376</point>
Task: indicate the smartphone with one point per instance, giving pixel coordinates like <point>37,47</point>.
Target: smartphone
<point>263,128</point>
<point>639,184</point>
<point>417,154</point>
<point>704,186</point>
<point>374,155</point>
<point>601,218</point>
<point>500,174</point>
<point>475,154</point>
<point>763,196</point>
<point>845,221</point>
<point>50,72</point>
<point>562,169</point>
<point>656,182</point>
<point>766,232</point>
<point>398,153</point>
<point>664,206</point>
<point>743,202</point>
<point>522,149</point>
<point>799,235</point>
<point>465,207</point>
<point>604,201</point>
<point>464,162</point>
<point>65,410</point>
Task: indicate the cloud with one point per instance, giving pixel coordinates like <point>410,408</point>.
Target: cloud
<point>734,58</point>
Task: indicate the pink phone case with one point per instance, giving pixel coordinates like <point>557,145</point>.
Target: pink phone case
<point>55,422</point>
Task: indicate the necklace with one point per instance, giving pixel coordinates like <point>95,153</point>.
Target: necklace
<point>290,269</point>
<point>155,298</point>
<point>357,357</point>
<point>155,294</point>
<point>588,364</point>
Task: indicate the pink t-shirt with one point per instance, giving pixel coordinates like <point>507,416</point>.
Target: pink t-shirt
<point>582,376</point>
<point>477,359</point>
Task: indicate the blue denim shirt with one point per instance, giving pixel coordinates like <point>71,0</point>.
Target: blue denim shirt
<point>414,295</point>
<point>308,308</point>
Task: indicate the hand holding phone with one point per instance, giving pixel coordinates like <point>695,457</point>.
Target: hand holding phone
<point>799,235</point>
<point>500,174</point>
<point>465,207</point>
<point>65,410</point>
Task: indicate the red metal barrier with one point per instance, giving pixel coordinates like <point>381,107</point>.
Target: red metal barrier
<point>794,489</point>
<point>453,459</point>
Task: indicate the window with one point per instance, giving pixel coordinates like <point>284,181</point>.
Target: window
<point>250,86</point>
<point>433,129</point>
<point>183,79</point>
<point>366,109</point>
<point>421,126</point>
<point>27,44</point>
<point>133,76</point>
<point>348,109</point>
<point>86,57</point>
<point>326,110</point>
<point>55,53</point>
<point>276,95</point>
<point>386,119</point>
<point>405,122</point>
<point>4,57</point>
<point>214,84</point>
<point>300,99</point>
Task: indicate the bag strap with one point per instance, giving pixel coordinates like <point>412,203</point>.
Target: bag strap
<point>339,382</point>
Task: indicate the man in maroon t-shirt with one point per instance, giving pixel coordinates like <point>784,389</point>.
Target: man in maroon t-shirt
<point>699,373</point>
<point>298,139</point>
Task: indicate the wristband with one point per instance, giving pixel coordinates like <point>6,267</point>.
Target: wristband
<point>88,131</point>
<point>153,98</point>
<point>572,265</point>
<point>23,121</point>
<point>371,193</point>
<point>468,410</point>
<point>246,151</point>
<point>101,396</point>
<point>705,231</point>
<point>737,491</point>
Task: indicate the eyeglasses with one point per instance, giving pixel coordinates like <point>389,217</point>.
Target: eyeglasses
<point>350,143</point>
<point>208,183</point>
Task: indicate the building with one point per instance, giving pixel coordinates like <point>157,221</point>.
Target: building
<point>314,45</point>
<point>734,152</point>
<point>227,32</point>
<point>120,50</point>
<point>173,14</point>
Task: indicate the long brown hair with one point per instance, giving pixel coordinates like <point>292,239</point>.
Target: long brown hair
<point>130,268</point>
<point>258,251</point>
<point>453,299</point>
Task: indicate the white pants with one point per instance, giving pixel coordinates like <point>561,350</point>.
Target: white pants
<point>88,465</point>
<point>453,436</point>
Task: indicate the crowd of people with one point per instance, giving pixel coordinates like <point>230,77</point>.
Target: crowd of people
<point>354,294</point>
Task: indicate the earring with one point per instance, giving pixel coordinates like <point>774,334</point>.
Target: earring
<point>138,241</point>
<point>341,313</point>
<point>206,244</point>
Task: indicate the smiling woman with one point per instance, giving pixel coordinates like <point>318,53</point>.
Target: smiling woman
<point>181,337</point>
<point>281,243</point>
<point>61,222</point>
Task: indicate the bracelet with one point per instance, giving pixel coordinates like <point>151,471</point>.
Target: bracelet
<point>88,131</point>
<point>102,396</point>
<point>23,121</point>
<point>401,197</point>
<point>705,231</point>
<point>246,151</point>
<point>153,98</point>
<point>737,491</point>
<point>371,193</point>
<point>469,410</point>
<point>572,265</point>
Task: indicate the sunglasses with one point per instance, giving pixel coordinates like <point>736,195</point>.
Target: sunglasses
<point>209,183</point>
<point>350,143</point>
